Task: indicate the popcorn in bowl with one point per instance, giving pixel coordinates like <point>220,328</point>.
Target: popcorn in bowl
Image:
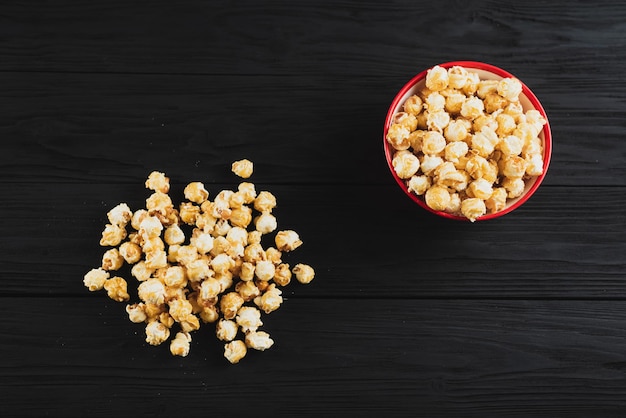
<point>467,140</point>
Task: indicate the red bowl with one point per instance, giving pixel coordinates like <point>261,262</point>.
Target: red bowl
<point>485,72</point>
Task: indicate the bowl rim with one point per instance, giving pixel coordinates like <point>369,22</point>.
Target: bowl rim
<point>470,65</point>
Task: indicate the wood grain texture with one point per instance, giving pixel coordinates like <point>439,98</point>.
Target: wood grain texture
<point>281,37</point>
<point>433,358</point>
<point>112,127</point>
<point>395,248</point>
<point>409,314</point>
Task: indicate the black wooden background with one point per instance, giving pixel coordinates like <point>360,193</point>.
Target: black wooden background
<point>409,314</point>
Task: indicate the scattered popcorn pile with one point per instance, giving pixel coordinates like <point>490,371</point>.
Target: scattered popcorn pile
<point>466,144</point>
<point>217,273</point>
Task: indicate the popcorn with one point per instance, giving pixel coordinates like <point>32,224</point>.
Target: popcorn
<point>226,330</point>
<point>514,186</point>
<point>534,164</point>
<point>180,309</point>
<point>116,288</point>
<point>156,259</point>
<point>94,279</point>
<point>199,270</point>
<point>513,166</point>
<point>180,344</point>
<point>429,163</point>
<point>234,351</point>
<point>258,340</point>
<point>203,261</point>
<point>203,241</point>
<point>120,215</point>
<point>156,332</point>
<point>230,304</point>
<point>419,184</point>
<point>158,203</point>
<point>112,260</point>
<point>158,182</point>
<point>141,271</point>
<point>437,121</point>
<point>209,288</point>
<point>437,78</point>
<point>473,208</point>
<point>457,77</point>
<point>249,318</point>
<point>457,130</point>
<point>509,88</point>
<point>265,202</point>
<point>455,150</point>
<point>304,273</point>
<point>481,189</point>
<point>287,240</point>
<point>248,191</point>
<point>130,252</point>
<point>150,227</point>
<point>196,193</point>
<point>472,108</point>
<point>152,291</point>
<point>270,300</point>
<point>433,143</point>
<point>243,168</point>
<point>473,140</point>
<point>497,200</point>
<point>266,223</point>
<point>413,105</point>
<point>405,163</point>
<point>265,270</point>
<point>136,313</point>
<point>248,290</point>
<point>406,120</point>
<point>437,198</point>
<point>112,235</point>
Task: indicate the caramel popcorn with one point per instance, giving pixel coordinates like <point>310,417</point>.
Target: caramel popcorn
<point>265,202</point>
<point>116,288</point>
<point>462,139</point>
<point>266,223</point>
<point>230,304</point>
<point>248,318</point>
<point>130,252</point>
<point>287,240</point>
<point>304,273</point>
<point>196,193</point>
<point>243,168</point>
<point>180,344</point>
<point>152,291</point>
<point>258,340</point>
<point>94,279</point>
<point>234,351</point>
<point>226,330</point>
<point>270,300</point>
<point>265,270</point>
<point>112,235</point>
<point>282,276</point>
<point>136,313</point>
<point>203,261</point>
<point>158,182</point>
<point>156,332</point>
<point>120,215</point>
<point>112,259</point>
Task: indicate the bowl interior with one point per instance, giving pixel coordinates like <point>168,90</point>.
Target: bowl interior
<point>486,72</point>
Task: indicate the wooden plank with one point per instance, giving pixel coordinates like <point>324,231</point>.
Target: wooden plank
<point>299,129</point>
<point>312,37</point>
<point>354,357</point>
<point>364,241</point>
